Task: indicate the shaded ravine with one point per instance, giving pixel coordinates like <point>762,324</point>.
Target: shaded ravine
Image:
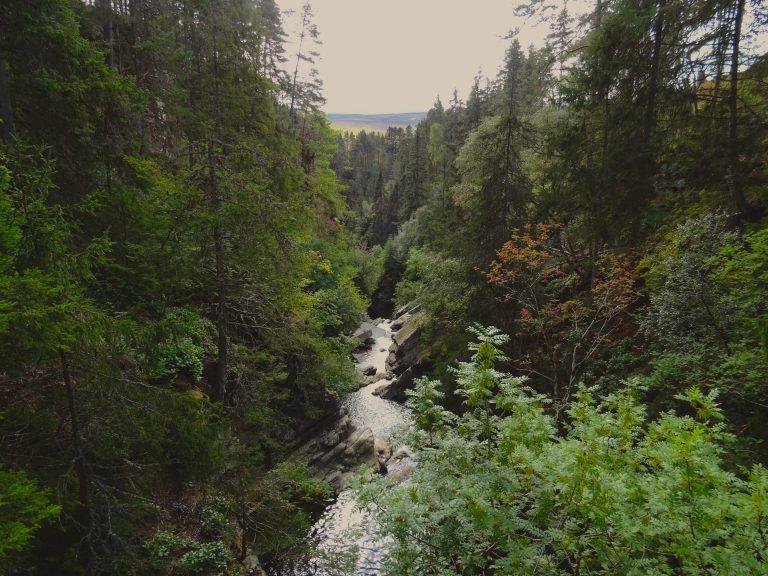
<point>344,539</point>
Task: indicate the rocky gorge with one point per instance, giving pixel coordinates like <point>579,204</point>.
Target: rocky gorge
<point>361,435</point>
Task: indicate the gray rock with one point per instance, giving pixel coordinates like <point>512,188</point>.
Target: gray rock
<point>382,448</point>
<point>402,471</point>
<point>402,464</point>
<point>395,389</point>
<point>336,480</point>
<point>381,389</point>
<point>364,332</point>
<point>405,350</point>
<point>407,309</point>
<point>357,385</point>
<point>402,452</point>
<point>370,371</point>
<point>361,442</point>
<point>410,329</point>
<point>330,439</point>
<point>253,566</point>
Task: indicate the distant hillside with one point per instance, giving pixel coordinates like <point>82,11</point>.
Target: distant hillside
<point>374,122</point>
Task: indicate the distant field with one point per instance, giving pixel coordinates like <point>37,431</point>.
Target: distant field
<point>374,122</point>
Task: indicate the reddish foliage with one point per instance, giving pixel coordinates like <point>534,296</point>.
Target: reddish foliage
<point>568,306</point>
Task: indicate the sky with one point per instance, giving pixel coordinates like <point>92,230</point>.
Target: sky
<point>387,56</point>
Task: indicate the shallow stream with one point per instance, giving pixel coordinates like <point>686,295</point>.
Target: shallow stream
<point>344,538</point>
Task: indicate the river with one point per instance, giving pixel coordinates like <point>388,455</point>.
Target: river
<point>344,538</point>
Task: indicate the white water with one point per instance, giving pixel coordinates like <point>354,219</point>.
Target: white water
<point>344,537</point>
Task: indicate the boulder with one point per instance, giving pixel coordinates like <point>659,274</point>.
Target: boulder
<point>331,439</point>
<point>359,384</point>
<point>402,452</point>
<point>364,331</point>
<point>395,389</point>
<point>336,455</point>
<point>382,450</point>
<point>370,371</point>
<point>377,377</point>
<point>253,567</point>
<point>402,464</point>
<point>409,330</point>
<point>386,390</point>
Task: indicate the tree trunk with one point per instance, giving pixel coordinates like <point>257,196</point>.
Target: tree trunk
<point>220,386</point>
<point>734,176</point>
<point>653,87</point>
<point>648,156</point>
<point>80,469</point>
<point>108,31</point>
<point>85,513</point>
<point>6,111</point>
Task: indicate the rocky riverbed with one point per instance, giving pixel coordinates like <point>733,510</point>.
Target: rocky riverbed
<point>344,538</point>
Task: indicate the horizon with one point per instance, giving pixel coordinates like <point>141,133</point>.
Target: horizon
<point>370,52</point>
<point>375,113</point>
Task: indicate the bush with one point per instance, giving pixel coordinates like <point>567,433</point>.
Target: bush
<point>161,545</point>
<point>214,517</point>
<point>499,491</point>
<point>178,345</point>
<point>206,559</point>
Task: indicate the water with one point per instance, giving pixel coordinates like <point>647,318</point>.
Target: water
<point>383,417</point>
<point>344,537</point>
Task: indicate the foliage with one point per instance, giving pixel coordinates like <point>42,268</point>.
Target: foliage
<point>424,401</point>
<point>24,506</point>
<point>278,510</point>
<point>706,315</point>
<point>165,221</point>
<point>691,309</point>
<point>184,244</point>
<point>436,282</point>
<point>161,545</point>
<point>616,493</point>
<point>567,311</point>
<point>179,345</point>
<point>206,558</point>
<point>214,517</point>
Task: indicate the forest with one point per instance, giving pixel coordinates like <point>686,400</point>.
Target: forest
<point>186,248</point>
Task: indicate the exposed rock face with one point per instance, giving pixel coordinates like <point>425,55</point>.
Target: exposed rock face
<point>382,448</point>
<point>372,379</point>
<point>395,389</point>
<point>405,350</point>
<point>338,452</point>
<point>410,308</point>
<point>404,358</point>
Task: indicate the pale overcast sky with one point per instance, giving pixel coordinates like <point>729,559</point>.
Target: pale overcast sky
<point>382,56</point>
